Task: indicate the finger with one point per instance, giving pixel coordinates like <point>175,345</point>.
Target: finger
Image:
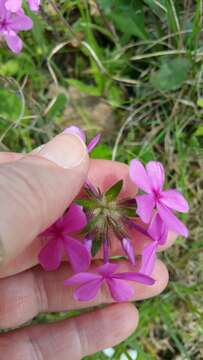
<point>73,338</point>
<point>6,157</point>
<point>102,173</point>
<point>36,189</point>
<point>23,296</point>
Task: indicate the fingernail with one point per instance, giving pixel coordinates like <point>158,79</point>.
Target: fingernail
<point>65,150</point>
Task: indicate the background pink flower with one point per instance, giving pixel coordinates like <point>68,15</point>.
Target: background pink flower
<point>10,24</point>
<point>151,181</point>
<point>60,236</point>
<point>90,283</point>
<point>16,5</point>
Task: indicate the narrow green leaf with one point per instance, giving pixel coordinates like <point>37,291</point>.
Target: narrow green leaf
<point>95,247</point>
<point>86,203</point>
<point>114,190</point>
<point>89,227</point>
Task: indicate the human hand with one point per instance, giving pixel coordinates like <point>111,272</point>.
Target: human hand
<point>35,189</point>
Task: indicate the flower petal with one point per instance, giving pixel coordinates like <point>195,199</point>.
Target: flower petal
<point>77,253</point>
<point>76,131</point>
<point>145,205</point>
<point>82,277</point>
<point>93,142</point>
<point>34,5</point>
<point>21,22</point>
<point>3,9</point>
<point>139,176</point>
<point>157,229</point>
<point>51,254</point>
<point>129,250</point>
<point>174,200</point>
<point>88,291</point>
<point>74,219</point>
<point>148,258</point>
<point>156,174</point>
<point>13,5</point>
<point>120,290</point>
<point>172,222</point>
<point>14,43</point>
<point>107,269</point>
<point>134,276</point>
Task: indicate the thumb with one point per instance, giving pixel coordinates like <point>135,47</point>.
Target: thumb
<point>36,189</point>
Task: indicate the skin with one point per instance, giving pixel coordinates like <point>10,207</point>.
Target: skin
<point>27,290</point>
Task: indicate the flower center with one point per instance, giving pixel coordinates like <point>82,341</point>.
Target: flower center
<point>157,195</point>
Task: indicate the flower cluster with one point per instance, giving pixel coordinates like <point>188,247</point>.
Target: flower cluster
<point>13,20</point>
<point>86,228</point>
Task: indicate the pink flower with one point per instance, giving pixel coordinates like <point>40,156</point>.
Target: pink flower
<point>90,283</point>
<point>77,131</point>
<point>151,181</point>
<point>60,237</point>
<point>16,5</point>
<point>11,24</point>
<point>158,233</point>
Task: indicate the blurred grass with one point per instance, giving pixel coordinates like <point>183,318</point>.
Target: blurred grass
<point>132,70</point>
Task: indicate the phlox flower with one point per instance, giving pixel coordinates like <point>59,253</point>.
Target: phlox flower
<point>10,24</point>
<point>151,181</point>
<point>61,237</point>
<point>16,5</point>
<point>158,233</point>
<point>79,132</point>
<point>90,283</point>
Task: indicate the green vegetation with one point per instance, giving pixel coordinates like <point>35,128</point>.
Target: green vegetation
<point>132,70</point>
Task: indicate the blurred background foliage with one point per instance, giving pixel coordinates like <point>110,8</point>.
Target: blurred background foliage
<point>131,69</point>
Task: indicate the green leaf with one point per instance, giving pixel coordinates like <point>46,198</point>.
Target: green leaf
<point>199,131</point>
<point>101,151</point>
<point>89,227</point>
<point>84,88</point>
<point>86,203</point>
<point>95,247</point>
<point>114,190</point>
<point>57,107</point>
<point>200,102</point>
<point>171,74</point>
<point>127,16</point>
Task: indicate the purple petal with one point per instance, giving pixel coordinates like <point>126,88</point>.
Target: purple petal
<point>74,219</point>
<point>174,200</point>
<point>88,244</point>
<point>21,22</point>
<point>75,131</point>
<point>51,254</point>
<point>88,291</point>
<point>172,222</point>
<point>128,249</point>
<point>81,278</point>
<point>2,9</point>
<point>156,174</point>
<point>145,205</point>
<point>77,253</point>
<point>134,276</point>
<point>93,142</point>
<point>34,5</point>
<point>149,258</point>
<point>107,269</point>
<point>139,176</point>
<point>157,229</point>
<point>120,290</point>
<point>13,5</point>
<point>14,43</point>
